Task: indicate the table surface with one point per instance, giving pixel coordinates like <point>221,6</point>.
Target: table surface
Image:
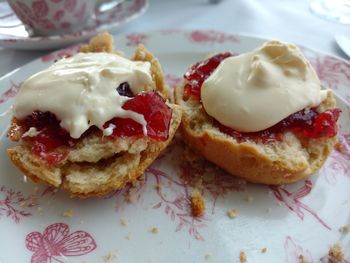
<point>288,20</point>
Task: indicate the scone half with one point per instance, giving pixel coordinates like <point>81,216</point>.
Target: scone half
<point>287,159</point>
<point>97,164</point>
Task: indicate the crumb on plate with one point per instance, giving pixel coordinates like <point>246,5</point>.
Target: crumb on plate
<point>154,230</point>
<point>336,254</point>
<point>344,229</point>
<point>68,213</point>
<point>263,250</point>
<point>242,256</point>
<point>109,257</point>
<point>123,222</point>
<point>232,213</point>
<point>197,203</point>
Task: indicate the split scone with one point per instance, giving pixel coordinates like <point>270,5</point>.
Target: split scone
<point>261,115</point>
<point>92,122</point>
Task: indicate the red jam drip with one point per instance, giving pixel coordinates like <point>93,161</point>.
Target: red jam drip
<point>308,123</point>
<point>51,137</point>
<point>156,113</point>
<point>200,71</point>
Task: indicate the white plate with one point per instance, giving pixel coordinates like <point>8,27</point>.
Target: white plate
<point>14,35</point>
<point>298,219</point>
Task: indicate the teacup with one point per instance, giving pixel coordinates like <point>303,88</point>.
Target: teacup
<point>52,17</point>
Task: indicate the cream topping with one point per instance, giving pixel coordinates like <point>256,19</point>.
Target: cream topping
<point>255,90</point>
<point>32,132</point>
<point>81,90</point>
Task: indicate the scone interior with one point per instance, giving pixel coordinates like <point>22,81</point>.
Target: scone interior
<point>97,164</point>
<point>288,159</point>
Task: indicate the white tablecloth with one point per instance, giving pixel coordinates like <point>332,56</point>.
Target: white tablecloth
<point>288,20</point>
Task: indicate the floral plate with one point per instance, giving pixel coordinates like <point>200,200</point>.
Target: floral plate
<point>14,35</point>
<point>151,221</point>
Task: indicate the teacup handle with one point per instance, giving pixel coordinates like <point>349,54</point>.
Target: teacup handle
<point>103,6</point>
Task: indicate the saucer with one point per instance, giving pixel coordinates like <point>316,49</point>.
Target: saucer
<point>13,34</point>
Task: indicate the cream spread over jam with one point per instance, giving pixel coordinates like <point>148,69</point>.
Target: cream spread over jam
<point>81,91</point>
<point>254,91</point>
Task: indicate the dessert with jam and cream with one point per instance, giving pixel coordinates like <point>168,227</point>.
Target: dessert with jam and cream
<point>92,122</point>
<point>261,115</point>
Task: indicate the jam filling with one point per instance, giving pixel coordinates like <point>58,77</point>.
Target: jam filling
<point>47,144</point>
<point>307,123</point>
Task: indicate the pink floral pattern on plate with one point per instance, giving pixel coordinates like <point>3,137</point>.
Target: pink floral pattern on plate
<point>15,205</point>
<point>293,202</point>
<point>331,71</point>
<point>136,38</point>
<point>211,37</point>
<point>10,92</point>
<point>55,244</point>
<point>296,253</point>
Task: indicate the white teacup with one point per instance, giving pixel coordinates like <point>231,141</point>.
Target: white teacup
<point>52,17</point>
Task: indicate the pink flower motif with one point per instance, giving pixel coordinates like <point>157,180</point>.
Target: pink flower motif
<point>136,39</point>
<point>331,71</point>
<point>59,15</point>
<point>10,92</point>
<point>177,206</point>
<point>40,8</point>
<point>56,243</point>
<point>80,14</point>
<point>56,1</point>
<point>172,80</point>
<point>211,37</point>
<point>295,253</point>
<point>291,200</point>
<point>69,5</point>
<point>14,205</point>
<point>339,161</point>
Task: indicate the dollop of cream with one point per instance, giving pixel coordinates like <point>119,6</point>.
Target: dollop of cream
<point>81,90</point>
<point>255,90</point>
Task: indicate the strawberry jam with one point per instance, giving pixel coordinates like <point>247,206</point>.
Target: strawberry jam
<point>307,123</point>
<point>200,71</point>
<point>53,142</point>
<point>51,136</point>
<point>156,113</point>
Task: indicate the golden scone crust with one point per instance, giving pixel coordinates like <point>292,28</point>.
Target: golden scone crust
<point>98,165</point>
<point>292,159</point>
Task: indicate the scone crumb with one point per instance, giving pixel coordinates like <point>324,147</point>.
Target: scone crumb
<point>123,222</point>
<point>207,256</point>
<point>128,237</point>
<point>154,230</point>
<point>336,254</point>
<point>249,199</point>
<point>157,186</point>
<point>232,213</point>
<point>263,250</point>
<point>23,203</point>
<point>197,203</point>
<point>68,213</point>
<point>109,257</point>
<point>302,259</point>
<point>344,229</point>
<point>242,256</point>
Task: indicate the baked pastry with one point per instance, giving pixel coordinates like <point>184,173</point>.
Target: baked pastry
<point>93,122</point>
<point>261,115</point>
